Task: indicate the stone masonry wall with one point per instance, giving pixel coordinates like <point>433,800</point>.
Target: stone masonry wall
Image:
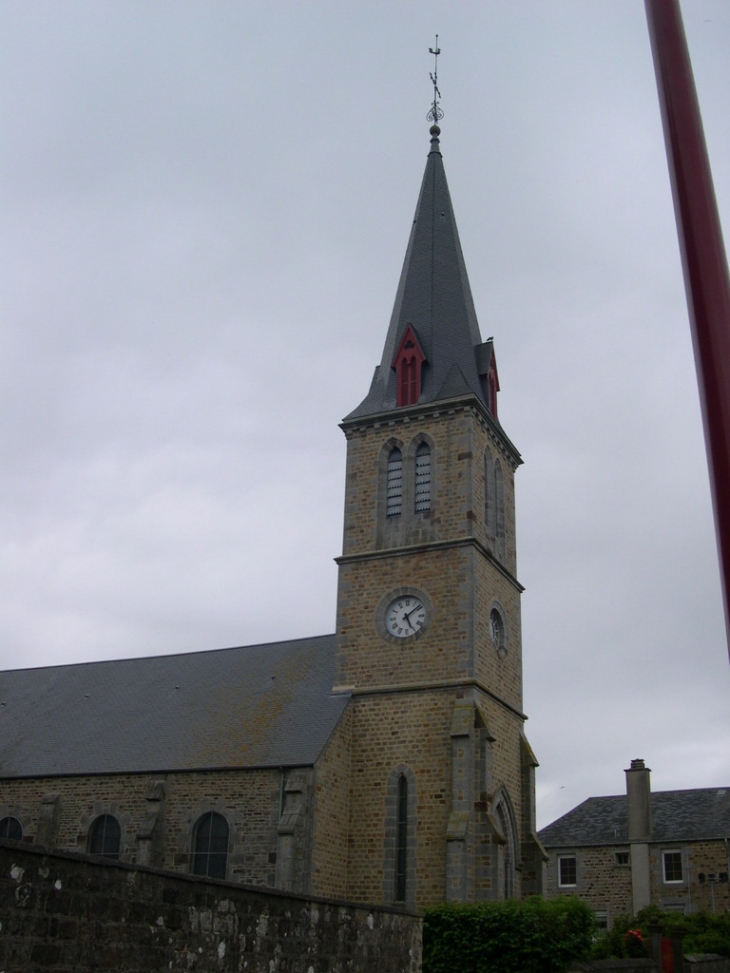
<point>604,885</point>
<point>409,692</point>
<point>698,857</point>
<point>458,438</point>
<point>249,800</point>
<point>331,813</point>
<point>68,912</point>
<point>414,730</point>
<point>601,882</point>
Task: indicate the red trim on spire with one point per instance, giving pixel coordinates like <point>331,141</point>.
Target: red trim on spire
<point>492,380</point>
<point>493,387</point>
<point>407,363</point>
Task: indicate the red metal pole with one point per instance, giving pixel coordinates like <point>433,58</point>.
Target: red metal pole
<point>703,256</point>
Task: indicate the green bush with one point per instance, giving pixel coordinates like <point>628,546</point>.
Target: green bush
<point>533,936</point>
<point>703,932</point>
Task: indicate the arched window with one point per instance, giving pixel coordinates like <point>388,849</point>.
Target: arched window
<point>105,837</point>
<point>395,483</point>
<point>508,854</point>
<point>488,493</point>
<point>11,828</point>
<point>401,841</point>
<point>496,629</point>
<point>401,811</point>
<point>210,846</point>
<point>499,504</point>
<point>423,478</point>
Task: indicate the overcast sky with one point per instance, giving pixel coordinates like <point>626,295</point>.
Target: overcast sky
<point>206,207</point>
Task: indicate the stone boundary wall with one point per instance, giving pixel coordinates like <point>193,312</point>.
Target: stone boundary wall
<point>61,911</point>
<point>692,964</point>
<point>616,966</point>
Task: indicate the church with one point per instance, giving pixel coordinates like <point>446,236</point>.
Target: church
<point>385,763</point>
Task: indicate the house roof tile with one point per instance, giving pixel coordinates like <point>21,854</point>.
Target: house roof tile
<point>688,815</point>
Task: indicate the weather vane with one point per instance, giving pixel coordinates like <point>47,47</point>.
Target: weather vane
<point>435,114</point>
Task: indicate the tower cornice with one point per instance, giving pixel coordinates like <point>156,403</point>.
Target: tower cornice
<point>417,549</point>
<point>421,687</point>
<point>445,408</point>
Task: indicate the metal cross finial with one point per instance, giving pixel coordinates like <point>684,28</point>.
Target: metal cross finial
<point>435,114</point>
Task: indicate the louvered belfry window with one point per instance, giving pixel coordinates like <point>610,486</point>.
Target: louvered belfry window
<point>423,478</point>
<point>395,482</point>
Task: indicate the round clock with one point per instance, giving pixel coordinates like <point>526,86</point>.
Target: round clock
<point>405,616</point>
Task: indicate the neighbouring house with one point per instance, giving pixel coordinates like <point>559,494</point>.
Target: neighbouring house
<point>383,763</point>
<point>619,854</point>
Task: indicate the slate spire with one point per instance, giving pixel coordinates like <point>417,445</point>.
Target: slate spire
<point>434,299</point>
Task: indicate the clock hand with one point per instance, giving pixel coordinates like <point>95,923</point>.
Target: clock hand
<point>408,614</point>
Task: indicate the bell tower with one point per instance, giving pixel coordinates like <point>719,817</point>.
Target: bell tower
<point>429,644</point>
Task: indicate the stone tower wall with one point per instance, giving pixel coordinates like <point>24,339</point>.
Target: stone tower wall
<point>442,707</point>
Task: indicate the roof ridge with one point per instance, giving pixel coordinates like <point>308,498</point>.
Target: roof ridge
<point>168,655</point>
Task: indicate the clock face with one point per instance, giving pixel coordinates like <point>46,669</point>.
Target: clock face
<point>405,616</point>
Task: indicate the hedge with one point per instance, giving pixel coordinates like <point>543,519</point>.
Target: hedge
<point>533,936</point>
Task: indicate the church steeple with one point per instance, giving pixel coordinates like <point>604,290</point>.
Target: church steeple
<point>428,606</point>
<point>434,300</point>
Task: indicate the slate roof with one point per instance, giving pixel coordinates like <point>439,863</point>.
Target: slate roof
<point>691,815</point>
<point>254,706</point>
<point>435,298</point>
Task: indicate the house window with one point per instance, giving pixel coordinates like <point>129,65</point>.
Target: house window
<point>622,858</point>
<point>567,871</point>
<point>672,861</point>
<point>394,488</point>
<point>601,917</point>
<point>210,846</point>
<point>105,837</point>
<point>11,828</point>
<point>423,478</point>
<point>401,841</point>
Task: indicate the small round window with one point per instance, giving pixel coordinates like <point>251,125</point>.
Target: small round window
<point>496,630</point>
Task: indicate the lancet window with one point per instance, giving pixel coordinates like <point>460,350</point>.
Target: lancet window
<point>423,478</point>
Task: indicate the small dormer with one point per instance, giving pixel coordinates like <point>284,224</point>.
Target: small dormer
<point>408,362</point>
<point>487,366</point>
